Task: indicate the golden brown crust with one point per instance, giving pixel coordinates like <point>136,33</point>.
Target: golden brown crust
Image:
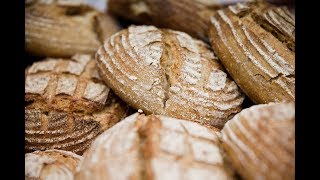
<point>67,104</point>
<point>277,20</point>
<point>51,164</point>
<point>154,147</point>
<point>256,45</point>
<point>167,72</point>
<point>66,84</point>
<point>190,16</point>
<point>260,141</point>
<point>57,30</point>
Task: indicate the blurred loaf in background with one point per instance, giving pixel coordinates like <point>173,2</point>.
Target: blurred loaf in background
<point>190,16</point>
<point>63,28</point>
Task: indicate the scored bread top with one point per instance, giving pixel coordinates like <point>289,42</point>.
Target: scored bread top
<point>155,147</point>
<point>167,72</point>
<point>260,141</point>
<point>67,104</point>
<point>62,29</point>
<point>256,45</point>
<point>69,85</point>
<point>51,164</point>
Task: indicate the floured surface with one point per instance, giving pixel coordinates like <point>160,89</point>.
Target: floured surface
<point>154,147</point>
<point>168,72</point>
<point>260,141</point>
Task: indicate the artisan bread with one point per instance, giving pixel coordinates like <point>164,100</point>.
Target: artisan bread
<point>67,104</point>
<point>256,44</point>
<point>155,147</point>
<point>260,141</point>
<point>167,72</point>
<point>60,29</point>
<point>190,16</point>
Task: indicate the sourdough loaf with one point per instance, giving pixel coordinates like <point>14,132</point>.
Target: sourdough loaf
<point>63,28</point>
<point>190,16</point>
<point>155,147</point>
<point>256,44</point>
<point>260,141</point>
<point>167,72</point>
<point>67,104</point>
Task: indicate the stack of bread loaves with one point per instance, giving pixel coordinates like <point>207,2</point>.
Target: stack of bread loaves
<point>162,99</point>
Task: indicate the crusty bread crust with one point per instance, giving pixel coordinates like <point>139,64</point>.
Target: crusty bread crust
<point>51,164</point>
<point>154,147</point>
<point>260,141</point>
<point>167,72</point>
<point>256,45</point>
<point>190,16</point>
<point>57,30</point>
<point>67,104</point>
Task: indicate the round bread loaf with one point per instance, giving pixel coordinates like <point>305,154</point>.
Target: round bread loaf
<point>59,29</point>
<point>67,104</point>
<point>155,147</point>
<point>256,44</point>
<point>260,141</point>
<point>167,72</point>
<point>190,16</point>
<point>51,165</point>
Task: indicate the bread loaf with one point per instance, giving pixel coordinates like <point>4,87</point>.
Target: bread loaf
<point>260,141</point>
<point>67,104</point>
<point>190,16</point>
<point>167,72</point>
<point>63,28</point>
<point>51,165</point>
<point>256,44</point>
<point>155,147</point>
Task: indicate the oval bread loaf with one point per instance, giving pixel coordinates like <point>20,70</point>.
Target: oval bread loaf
<point>155,147</point>
<point>62,30</point>
<point>260,141</point>
<point>256,44</point>
<point>67,104</point>
<point>167,72</point>
<point>51,165</point>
